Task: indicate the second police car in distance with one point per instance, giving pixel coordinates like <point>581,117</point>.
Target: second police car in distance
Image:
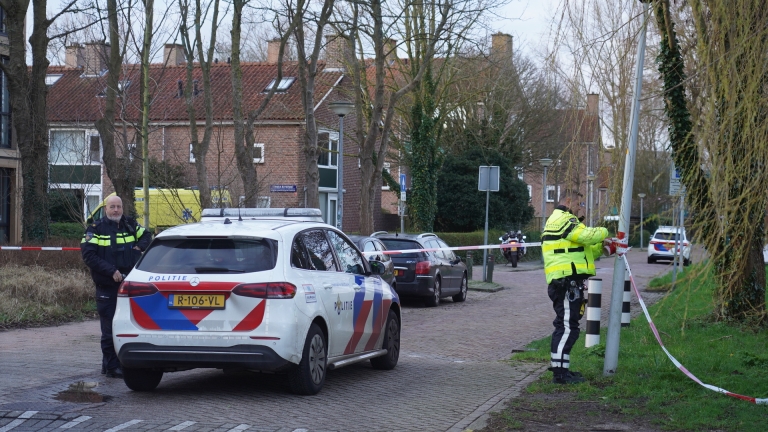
<point>278,291</point>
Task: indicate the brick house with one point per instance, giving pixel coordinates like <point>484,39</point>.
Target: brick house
<point>10,158</point>
<point>75,102</point>
<point>575,148</point>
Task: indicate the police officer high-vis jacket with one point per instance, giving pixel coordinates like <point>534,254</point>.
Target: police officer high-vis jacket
<point>108,246</point>
<point>569,246</point>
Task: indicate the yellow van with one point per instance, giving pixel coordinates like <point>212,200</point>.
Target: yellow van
<point>168,207</point>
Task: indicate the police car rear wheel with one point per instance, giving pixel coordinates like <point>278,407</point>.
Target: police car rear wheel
<point>309,376</point>
<point>142,379</point>
<point>391,344</point>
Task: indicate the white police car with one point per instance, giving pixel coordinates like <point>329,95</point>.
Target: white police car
<point>279,294</point>
<point>662,245</point>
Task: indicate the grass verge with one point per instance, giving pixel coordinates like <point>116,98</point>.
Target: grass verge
<point>647,385</point>
<point>37,296</point>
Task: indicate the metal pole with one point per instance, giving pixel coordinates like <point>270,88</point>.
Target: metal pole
<point>675,223</point>
<point>340,199</point>
<point>641,223</point>
<point>485,236</point>
<point>617,292</point>
<point>589,201</point>
<point>543,207</point>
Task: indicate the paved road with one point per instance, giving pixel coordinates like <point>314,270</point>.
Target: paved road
<point>451,374</point>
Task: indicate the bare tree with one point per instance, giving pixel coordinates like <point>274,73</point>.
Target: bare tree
<point>199,147</point>
<point>28,101</point>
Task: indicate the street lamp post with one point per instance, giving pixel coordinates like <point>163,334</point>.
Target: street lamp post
<point>545,162</point>
<point>590,201</point>
<point>340,108</point>
<point>641,196</point>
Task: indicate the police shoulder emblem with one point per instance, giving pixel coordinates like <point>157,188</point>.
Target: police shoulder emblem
<point>573,220</point>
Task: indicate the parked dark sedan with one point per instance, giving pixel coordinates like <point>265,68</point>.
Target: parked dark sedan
<point>430,275</point>
<point>371,244</point>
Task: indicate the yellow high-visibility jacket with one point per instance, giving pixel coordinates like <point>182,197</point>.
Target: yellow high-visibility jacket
<point>569,246</point>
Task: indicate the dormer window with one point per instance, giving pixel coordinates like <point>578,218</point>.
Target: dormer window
<point>51,79</point>
<point>282,87</point>
<point>121,87</point>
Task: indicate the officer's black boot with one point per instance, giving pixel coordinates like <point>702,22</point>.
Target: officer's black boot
<point>563,376</point>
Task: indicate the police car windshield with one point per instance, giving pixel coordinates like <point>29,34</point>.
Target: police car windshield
<point>217,256</point>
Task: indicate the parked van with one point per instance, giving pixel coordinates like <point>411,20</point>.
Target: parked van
<point>168,207</point>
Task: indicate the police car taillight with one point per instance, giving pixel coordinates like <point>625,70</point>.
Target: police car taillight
<point>422,267</point>
<point>136,289</point>
<point>271,290</point>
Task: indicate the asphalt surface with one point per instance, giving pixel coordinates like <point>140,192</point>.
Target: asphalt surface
<point>452,373</point>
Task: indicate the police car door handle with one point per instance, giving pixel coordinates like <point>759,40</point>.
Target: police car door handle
<point>327,286</point>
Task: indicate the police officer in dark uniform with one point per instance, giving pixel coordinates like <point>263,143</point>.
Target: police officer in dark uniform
<point>569,248</point>
<point>110,248</point>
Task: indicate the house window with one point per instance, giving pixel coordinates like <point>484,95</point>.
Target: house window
<point>530,193</point>
<point>258,153</point>
<point>386,167</point>
<point>51,79</point>
<point>121,87</point>
<point>2,21</point>
<point>5,105</point>
<point>69,147</point>
<point>285,83</point>
<point>131,151</point>
<point>519,172</point>
<point>602,193</point>
<point>553,193</point>
<point>328,147</point>
<point>94,150</point>
<point>263,202</point>
<point>191,155</point>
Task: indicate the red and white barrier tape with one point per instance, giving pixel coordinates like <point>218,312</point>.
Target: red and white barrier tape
<point>39,248</point>
<point>674,360</point>
<point>495,246</point>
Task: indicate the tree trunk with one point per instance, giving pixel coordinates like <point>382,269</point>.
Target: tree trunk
<point>735,245</point>
<point>121,169</point>
<point>28,103</point>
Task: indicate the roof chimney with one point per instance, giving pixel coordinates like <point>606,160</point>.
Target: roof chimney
<point>501,48</point>
<point>593,103</point>
<point>74,56</point>
<point>95,58</point>
<point>335,47</point>
<point>273,50</point>
<point>173,55</point>
<point>390,50</point>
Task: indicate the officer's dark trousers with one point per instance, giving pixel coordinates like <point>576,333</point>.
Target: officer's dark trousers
<point>106,302</point>
<point>568,314</point>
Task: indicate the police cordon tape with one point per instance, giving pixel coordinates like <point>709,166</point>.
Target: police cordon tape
<point>673,359</point>
<point>498,246</point>
<point>39,248</point>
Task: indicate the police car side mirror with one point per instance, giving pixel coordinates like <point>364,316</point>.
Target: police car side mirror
<point>377,268</point>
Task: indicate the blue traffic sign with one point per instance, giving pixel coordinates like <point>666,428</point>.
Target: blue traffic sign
<point>402,182</point>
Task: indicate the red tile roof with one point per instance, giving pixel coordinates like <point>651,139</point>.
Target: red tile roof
<point>75,98</point>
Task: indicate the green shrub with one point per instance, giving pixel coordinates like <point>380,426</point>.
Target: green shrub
<point>70,230</point>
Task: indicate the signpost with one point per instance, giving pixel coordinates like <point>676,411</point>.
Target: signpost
<point>676,187</point>
<point>488,180</point>
<point>401,203</point>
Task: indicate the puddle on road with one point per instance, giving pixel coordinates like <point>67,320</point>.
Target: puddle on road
<point>82,392</point>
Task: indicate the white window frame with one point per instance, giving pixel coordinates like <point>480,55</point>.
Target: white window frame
<point>191,155</point>
<point>519,173</point>
<point>530,192</point>
<point>264,202</point>
<point>259,146</point>
<point>285,84</point>
<point>385,185</point>
<point>87,133</point>
<point>333,137</point>
<point>51,79</point>
<point>555,189</point>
